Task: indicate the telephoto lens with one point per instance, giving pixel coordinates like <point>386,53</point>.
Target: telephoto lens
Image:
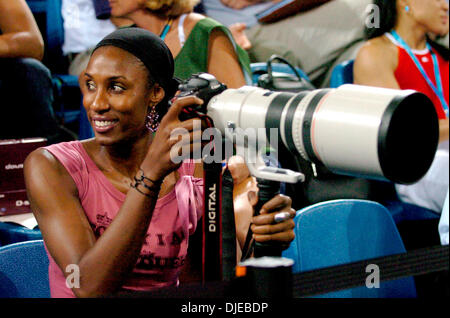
<point>361,131</point>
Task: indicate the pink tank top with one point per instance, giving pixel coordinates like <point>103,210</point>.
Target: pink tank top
<point>175,218</point>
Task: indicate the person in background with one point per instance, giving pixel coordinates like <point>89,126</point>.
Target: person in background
<point>86,22</point>
<point>118,207</point>
<point>238,15</point>
<point>314,40</point>
<point>401,54</point>
<point>25,83</point>
<point>198,44</point>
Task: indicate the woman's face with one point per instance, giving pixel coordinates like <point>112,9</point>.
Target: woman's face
<point>431,14</point>
<point>123,8</point>
<point>116,95</point>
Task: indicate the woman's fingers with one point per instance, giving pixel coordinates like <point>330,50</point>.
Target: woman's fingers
<point>275,221</point>
<point>273,228</point>
<point>182,138</point>
<point>270,218</point>
<point>276,203</point>
<point>177,106</point>
<point>174,140</point>
<point>188,151</point>
<point>285,236</point>
<point>190,125</point>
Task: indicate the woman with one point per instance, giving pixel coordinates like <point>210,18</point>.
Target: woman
<point>399,54</point>
<point>116,208</point>
<point>198,44</point>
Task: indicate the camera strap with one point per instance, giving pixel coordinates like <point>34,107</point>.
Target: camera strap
<point>212,222</point>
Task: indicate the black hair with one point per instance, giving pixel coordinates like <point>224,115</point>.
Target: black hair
<point>163,106</point>
<point>388,17</point>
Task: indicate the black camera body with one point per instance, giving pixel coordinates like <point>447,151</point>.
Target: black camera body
<point>202,85</point>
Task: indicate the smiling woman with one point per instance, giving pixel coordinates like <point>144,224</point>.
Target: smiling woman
<point>116,207</point>
<point>115,103</point>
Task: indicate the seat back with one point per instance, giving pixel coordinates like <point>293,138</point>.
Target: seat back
<point>13,233</point>
<point>343,231</point>
<point>342,74</point>
<point>50,21</point>
<point>24,270</point>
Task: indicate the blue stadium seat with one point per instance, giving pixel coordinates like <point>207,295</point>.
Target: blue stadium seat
<point>54,30</point>
<point>344,231</point>
<point>342,74</point>
<point>24,270</point>
<point>13,233</point>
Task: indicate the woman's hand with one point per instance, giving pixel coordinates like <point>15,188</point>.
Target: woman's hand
<point>275,220</point>
<point>174,140</point>
<point>238,32</point>
<point>263,226</point>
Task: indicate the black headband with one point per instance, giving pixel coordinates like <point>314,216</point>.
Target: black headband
<point>151,50</point>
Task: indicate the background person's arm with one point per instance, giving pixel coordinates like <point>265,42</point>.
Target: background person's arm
<point>375,65</point>
<point>443,129</point>
<point>223,62</point>
<point>20,34</point>
<point>238,32</point>
<point>240,4</point>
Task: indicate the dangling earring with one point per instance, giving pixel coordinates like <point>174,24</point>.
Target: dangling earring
<point>407,8</point>
<point>152,122</point>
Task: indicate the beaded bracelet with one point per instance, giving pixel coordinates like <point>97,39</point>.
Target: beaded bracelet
<point>135,186</point>
<point>152,188</point>
<point>143,178</point>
